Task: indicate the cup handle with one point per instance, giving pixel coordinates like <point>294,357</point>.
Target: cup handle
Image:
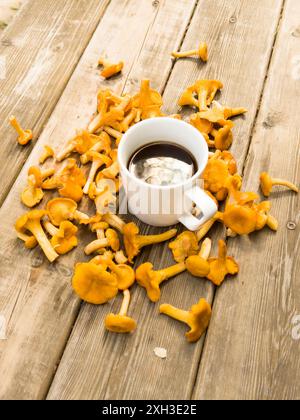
<point>204,203</point>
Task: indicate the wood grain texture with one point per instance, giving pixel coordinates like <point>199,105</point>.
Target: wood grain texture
<point>250,352</point>
<point>100,365</point>
<point>36,298</point>
<point>40,50</point>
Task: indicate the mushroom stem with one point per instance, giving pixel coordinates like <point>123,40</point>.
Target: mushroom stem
<point>222,251</point>
<point>205,228</point>
<point>172,271</point>
<point>78,215</point>
<point>175,313</point>
<point>36,229</point>
<point>47,173</point>
<point>96,245</point>
<point>205,249</point>
<point>63,154</point>
<point>50,228</point>
<point>94,168</point>
<point>125,303</point>
<point>184,54</point>
<point>282,182</point>
<point>15,124</point>
<point>114,221</point>
<point>112,132</point>
<point>145,240</point>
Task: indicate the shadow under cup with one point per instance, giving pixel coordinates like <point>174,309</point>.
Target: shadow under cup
<point>154,204</point>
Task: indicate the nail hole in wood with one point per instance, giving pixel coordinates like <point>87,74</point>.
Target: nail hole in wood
<point>291,225</point>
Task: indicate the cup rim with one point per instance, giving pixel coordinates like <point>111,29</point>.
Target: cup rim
<point>174,121</point>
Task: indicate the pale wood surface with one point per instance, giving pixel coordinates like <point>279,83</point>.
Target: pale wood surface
<point>250,345</point>
<point>131,369</point>
<point>40,50</point>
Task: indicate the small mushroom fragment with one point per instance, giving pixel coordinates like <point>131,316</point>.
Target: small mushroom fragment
<point>201,52</point>
<point>31,222</point>
<point>197,318</point>
<point>110,69</point>
<point>197,265</point>
<point>221,266</point>
<point>267,183</point>
<point>81,143</point>
<point>121,323</point>
<point>71,181</point>
<point>151,280</point>
<point>185,244</point>
<point>65,239</point>
<point>93,284</point>
<point>134,242</point>
<point>25,136</point>
<point>111,240</point>
<point>47,154</point>
<point>62,209</point>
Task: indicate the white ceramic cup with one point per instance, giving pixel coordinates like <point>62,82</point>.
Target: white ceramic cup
<point>166,205</point>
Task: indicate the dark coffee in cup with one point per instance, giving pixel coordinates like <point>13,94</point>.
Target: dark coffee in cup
<point>162,163</point>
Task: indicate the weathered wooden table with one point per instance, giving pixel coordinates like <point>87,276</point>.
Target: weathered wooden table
<point>57,347</point>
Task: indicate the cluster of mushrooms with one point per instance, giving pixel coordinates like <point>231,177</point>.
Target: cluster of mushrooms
<point>55,227</point>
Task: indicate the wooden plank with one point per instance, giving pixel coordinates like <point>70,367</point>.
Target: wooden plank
<point>252,328</point>
<point>36,298</point>
<point>39,52</point>
<point>100,365</point>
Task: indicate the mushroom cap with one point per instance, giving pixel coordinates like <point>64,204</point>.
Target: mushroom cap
<point>73,174</point>
<point>93,284</point>
<point>215,175</point>
<point>32,196</point>
<point>202,124</point>
<point>130,232</point>
<point>266,184</point>
<point>71,190</point>
<point>197,266</point>
<point>61,209</point>
<point>113,238</point>
<point>203,51</point>
<point>120,323</point>
<point>36,172</point>
<point>150,280</point>
<point>188,98</point>
<point>242,220</point>
<point>185,244</point>
<point>125,276</point>
<point>30,216</point>
<point>199,320</point>
<point>219,269</point>
<point>224,138</point>
<point>65,240</point>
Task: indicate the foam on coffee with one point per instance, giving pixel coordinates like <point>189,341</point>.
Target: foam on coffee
<point>162,163</point>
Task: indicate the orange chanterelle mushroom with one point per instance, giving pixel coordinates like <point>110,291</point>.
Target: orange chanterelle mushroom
<point>151,280</point>
<point>198,265</point>
<point>197,318</point>
<point>267,183</point>
<point>110,69</point>
<point>121,323</point>
<point>221,266</point>
<point>201,52</point>
<point>25,136</point>
<point>93,284</point>
<point>185,244</point>
<point>134,242</point>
